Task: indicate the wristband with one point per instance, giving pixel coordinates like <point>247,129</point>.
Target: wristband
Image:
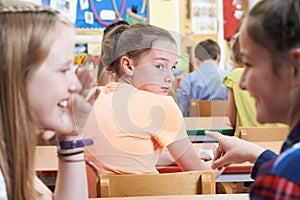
<point>70,152</point>
<point>71,160</point>
<point>73,144</point>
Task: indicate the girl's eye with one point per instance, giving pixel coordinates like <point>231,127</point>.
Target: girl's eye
<point>173,68</point>
<point>245,64</point>
<point>65,70</point>
<point>159,66</point>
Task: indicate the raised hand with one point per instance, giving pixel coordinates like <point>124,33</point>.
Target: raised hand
<point>81,106</point>
<point>78,106</point>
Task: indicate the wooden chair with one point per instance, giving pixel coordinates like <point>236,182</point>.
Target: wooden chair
<point>204,108</point>
<point>261,134</point>
<point>180,183</point>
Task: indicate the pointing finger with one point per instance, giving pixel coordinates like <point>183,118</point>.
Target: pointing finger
<point>213,134</point>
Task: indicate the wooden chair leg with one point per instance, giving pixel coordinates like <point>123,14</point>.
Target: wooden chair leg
<point>239,187</point>
<point>225,188</point>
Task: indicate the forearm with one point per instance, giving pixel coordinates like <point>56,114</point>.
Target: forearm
<point>231,107</point>
<point>190,161</point>
<point>187,158</point>
<point>254,151</point>
<point>71,179</point>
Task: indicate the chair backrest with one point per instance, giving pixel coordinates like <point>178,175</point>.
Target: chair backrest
<point>180,183</point>
<point>261,134</point>
<point>204,108</point>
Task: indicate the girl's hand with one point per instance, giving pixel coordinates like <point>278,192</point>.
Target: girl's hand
<point>232,150</point>
<point>79,107</point>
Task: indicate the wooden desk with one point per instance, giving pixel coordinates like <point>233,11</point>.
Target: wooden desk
<point>196,126</point>
<point>46,156</point>
<point>46,164</point>
<point>233,173</point>
<point>204,123</point>
<point>241,172</point>
<point>185,197</point>
<point>46,159</point>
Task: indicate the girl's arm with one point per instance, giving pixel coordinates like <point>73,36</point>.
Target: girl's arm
<point>71,180</point>
<point>231,108</point>
<point>187,157</point>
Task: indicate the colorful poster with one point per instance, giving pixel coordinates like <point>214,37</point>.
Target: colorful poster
<point>67,7</point>
<point>204,17</point>
<point>99,14</point>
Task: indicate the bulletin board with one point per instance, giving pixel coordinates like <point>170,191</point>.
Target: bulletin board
<point>198,21</point>
<point>101,13</point>
<point>204,17</point>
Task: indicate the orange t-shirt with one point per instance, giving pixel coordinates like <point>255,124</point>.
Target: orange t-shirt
<point>130,127</point>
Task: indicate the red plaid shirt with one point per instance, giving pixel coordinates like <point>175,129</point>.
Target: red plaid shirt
<point>278,177</point>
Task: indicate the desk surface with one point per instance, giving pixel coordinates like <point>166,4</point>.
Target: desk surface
<point>46,156</point>
<point>197,125</point>
<point>185,197</point>
<point>46,163</point>
<point>46,159</point>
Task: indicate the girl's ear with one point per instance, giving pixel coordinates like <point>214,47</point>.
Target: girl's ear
<point>296,67</point>
<point>126,65</point>
<point>218,59</point>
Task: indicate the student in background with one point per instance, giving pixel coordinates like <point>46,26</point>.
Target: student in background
<point>241,106</point>
<point>134,119</point>
<point>270,48</point>
<point>205,83</point>
<point>40,94</point>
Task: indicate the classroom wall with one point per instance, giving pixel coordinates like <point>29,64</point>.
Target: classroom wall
<point>164,13</point>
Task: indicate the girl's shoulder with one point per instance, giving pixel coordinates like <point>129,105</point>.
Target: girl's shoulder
<point>287,164</point>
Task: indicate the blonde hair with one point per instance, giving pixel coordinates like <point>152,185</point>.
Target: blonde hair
<point>26,35</point>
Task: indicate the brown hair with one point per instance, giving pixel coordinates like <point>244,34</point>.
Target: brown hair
<point>236,53</point>
<point>207,50</point>
<point>131,41</point>
<point>26,36</point>
<point>275,25</point>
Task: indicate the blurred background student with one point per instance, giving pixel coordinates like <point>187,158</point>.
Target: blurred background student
<point>205,83</point>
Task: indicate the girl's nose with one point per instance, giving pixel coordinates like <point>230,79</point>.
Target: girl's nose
<point>169,76</point>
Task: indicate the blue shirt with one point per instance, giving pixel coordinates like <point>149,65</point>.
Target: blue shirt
<point>205,83</point>
<point>278,177</point>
